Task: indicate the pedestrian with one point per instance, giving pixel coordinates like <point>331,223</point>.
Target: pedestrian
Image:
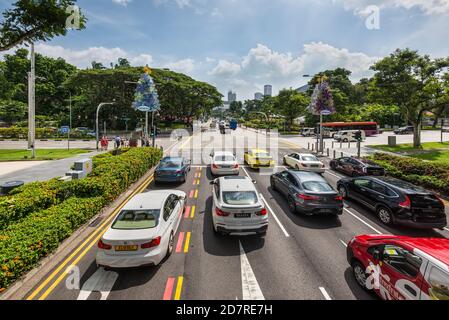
<point>118,142</point>
<point>104,143</point>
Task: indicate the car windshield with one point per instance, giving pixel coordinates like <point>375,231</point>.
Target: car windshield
<point>244,198</point>
<point>317,186</point>
<point>224,158</point>
<point>169,164</point>
<point>136,219</point>
<point>309,158</point>
<point>262,155</point>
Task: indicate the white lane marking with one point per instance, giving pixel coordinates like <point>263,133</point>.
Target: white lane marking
<point>325,294</point>
<point>335,175</point>
<point>446,229</point>
<point>271,210</point>
<point>275,217</point>
<point>250,286</point>
<point>343,243</point>
<point>363,221</point>
<point>101,281</point>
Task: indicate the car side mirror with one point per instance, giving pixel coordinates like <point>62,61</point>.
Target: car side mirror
<point>181,198</point>
<point>254,181</point>
<point>212,183</point>
<point>377,255</point>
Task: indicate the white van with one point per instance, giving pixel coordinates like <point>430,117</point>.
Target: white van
<point>348,135</point>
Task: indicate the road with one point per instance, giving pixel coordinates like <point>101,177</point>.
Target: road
<point>299,258</point>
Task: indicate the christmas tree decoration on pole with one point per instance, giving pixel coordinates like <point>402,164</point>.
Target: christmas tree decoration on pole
<point>145,97</point>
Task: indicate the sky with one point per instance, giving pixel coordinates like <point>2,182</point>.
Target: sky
<point>241,45</point>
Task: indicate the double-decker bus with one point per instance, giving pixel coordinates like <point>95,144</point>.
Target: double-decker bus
<point>370,128</point>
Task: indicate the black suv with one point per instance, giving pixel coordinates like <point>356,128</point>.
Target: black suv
<point>396,201</point>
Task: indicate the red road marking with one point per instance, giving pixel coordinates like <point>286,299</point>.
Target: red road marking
<point>192,193</point>
<point>169,288</point>
<point>187,213</point>
<point>180,241</point>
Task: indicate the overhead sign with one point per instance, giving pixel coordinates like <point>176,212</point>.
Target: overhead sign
<point>144,109</point>
<point>65,130</point>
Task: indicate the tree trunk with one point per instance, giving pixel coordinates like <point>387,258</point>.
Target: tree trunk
<point>417,135</point>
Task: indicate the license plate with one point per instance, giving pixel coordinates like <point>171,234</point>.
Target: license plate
<point>315,166</point>
<point>326,210</point>
<point>225,167</point>
<point>243,215</point>
<point>126,248</point>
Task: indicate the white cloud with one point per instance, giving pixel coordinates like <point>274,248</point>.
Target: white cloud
<point>427,6</point>
<point>183,66</point>
<point>122,2</point>
<point>83,58</point>
<point>225,68</point>
<point>263,65</point>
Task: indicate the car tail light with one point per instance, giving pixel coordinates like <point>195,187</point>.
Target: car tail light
<point>153,243</point>
<point>307,198</point>
<point>407,204</point>
<point>103,246</point>
<point>214,166</point>
<point>263,212</point>
<point>221,213</point>
<point>236,166</point>
<point>339,198</point>
<point>303,165</point>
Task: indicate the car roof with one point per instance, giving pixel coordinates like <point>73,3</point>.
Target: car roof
<point>406,187</point>
<point>435,247</point>
<point>174,159</point>
<point>307,176</point>
<point>259,151</point>
<point>236,183</point>
<point>148,200</point>
<point>223,153</point>
<point>305,154</point>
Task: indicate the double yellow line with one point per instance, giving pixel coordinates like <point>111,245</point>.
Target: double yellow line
<point>90,242</point>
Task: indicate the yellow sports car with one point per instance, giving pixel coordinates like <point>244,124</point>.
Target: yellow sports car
<point>259,158</point>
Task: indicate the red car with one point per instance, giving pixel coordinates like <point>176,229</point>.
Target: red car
<point>401,268</point>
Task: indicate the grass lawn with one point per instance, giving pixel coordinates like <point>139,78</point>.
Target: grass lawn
<point>42,154</point>
<point>408,148</point>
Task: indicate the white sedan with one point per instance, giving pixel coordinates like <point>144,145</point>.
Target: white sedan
<point>304,162</point>
<point>224,163</point>
<point>143,232</point>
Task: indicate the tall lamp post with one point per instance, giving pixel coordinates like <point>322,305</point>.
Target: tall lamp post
<point>97,127</point>
<point>32,104</point>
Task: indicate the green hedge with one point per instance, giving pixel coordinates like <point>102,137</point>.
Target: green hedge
<point>110,177</point>
<point>16,132</point>
<point>35,218</point>
<point>434,176</point>
<point>23,244</point>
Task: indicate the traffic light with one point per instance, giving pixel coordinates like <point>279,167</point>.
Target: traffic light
<point>358,136</point>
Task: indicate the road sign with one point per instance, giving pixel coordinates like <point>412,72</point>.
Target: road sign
<point>144,109</point>
<point>65,130</point>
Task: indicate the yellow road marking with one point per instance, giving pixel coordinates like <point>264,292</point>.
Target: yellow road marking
<point>192,213</point>
<point>100,228</point>
<point>184,144</point>
<point>291,144</point>
<point>196,194</point>
<point>187,244</point>
<point>179,288</point>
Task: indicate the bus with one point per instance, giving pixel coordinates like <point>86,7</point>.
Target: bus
<point>331,128</point>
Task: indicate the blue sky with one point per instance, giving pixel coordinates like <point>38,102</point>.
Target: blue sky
<point>244,44</point>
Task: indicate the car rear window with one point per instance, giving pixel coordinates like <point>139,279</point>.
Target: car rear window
<point>167,164</point>
<point>224,158</point>
<point>309,158</point>
<point>317,186</point>
<point>262,155</point>
<point>136,219</point>
<point>243,198</point>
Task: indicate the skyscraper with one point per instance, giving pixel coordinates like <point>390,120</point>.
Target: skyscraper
<point>232,96</point>
<point>268,90</point>
<point>258,96</point>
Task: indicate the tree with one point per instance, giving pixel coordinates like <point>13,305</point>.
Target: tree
<point>236,109</point>
<point>97,65</point>
<point>291,104</point>
<point>123,63</point>
<point>36,21</point>
<point>414,83</point>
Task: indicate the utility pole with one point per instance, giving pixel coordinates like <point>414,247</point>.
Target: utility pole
<point>32,105</point>
<point>70,120</point>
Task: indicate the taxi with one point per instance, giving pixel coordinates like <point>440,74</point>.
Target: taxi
<point>401,268</point>
<point>257,158</point>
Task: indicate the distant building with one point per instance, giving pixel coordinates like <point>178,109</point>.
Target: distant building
<point>268,90</point>
<point>258,96</point>
<point>303,89</point>
<point>232,97</point>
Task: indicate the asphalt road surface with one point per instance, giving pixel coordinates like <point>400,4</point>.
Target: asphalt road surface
<point>299,258</point>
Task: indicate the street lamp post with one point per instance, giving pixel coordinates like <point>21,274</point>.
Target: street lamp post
<point>97,129</point>
<point>32,104</point>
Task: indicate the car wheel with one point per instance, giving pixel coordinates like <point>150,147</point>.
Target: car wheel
<point>343,192</point>
<point>360,275</point>
<point>171,245</point>
<point>385,215</point>
<point>291,204</point>
<point>354,174</point>
<point>345,140</point>
<point>297,167</point>
<point>285,162</point>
